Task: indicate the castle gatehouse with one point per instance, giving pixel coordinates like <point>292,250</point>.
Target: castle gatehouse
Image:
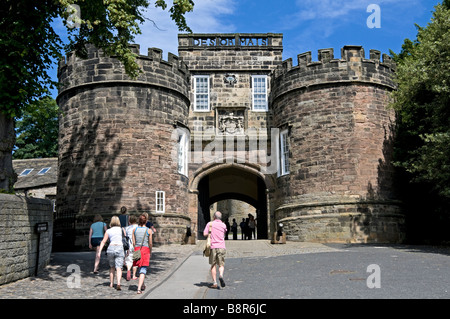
<point>227,124</point>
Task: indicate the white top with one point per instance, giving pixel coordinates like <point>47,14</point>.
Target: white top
<point>130,229</point>
<point>115,236</point>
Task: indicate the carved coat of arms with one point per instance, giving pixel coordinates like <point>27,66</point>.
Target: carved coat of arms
<point>231,124</point>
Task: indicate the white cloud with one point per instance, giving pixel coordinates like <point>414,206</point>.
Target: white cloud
<point>208,16</point>
<point>336,11</point>
<point>322,23</point>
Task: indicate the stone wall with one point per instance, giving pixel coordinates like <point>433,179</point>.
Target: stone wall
<point>18,238</point>
<point>236,55</point>
<point>117,145</point>
<point>340,182</point>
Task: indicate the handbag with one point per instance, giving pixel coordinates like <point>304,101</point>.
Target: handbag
<point>207,249</point>
<point>137,253</point>
<point>125,241</point>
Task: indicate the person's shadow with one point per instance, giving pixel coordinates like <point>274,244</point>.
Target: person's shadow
<point>203,284</point>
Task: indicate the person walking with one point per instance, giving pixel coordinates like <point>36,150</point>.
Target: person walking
<point>218,249</point>
<point>96,233</point>
<point>129,257</point>
<point>124,217</point>
<point>142,240</point>
<point>115,250</point>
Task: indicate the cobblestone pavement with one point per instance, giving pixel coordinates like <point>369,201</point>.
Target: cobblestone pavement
<point>52,282</point>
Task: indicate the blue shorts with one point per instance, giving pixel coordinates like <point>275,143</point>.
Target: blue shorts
<point>143,270</point>
<point>95,241</point>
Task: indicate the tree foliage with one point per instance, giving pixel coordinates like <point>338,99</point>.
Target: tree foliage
<point>37,130</point>
<point>29,46</point>
<point>422,102</point>
<point>112,25</point>
<point>422,147</point>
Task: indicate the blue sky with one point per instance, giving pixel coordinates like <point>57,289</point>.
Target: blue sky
<point>307,25</point>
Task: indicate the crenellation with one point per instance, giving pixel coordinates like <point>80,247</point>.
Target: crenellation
<point>155,54</point>
<point>375,55</point>
<point>135,48</point>
<point>352,53</point>
<point>326,55</point>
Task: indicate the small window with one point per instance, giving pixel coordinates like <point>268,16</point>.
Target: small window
<point>201,93</point>
<point>259,92</point>
<point>43,171</point>
<point>160,201</point>
<point>284,153</point>
<point>183,151</point>
<point>26,172</point>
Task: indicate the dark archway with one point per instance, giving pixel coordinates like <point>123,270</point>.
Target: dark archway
<point>233,182</point>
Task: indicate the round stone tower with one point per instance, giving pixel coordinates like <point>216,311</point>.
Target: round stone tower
<point>339,184</point>
<point>119,144</point>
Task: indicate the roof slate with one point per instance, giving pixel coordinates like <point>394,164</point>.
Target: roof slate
<point>33,179</point>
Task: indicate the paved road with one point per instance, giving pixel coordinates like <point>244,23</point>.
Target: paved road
<point>258,270</point>
<point>350,271</point>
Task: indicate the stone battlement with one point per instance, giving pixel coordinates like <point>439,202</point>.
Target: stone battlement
<point>99,68</point>
<point>351,67</point>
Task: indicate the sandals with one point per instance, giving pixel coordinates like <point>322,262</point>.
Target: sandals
<point>141,290</point>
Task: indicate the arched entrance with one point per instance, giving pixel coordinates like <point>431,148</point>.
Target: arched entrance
<point>240,182</point>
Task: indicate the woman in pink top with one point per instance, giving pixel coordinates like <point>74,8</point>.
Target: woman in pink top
<point>218,250</point>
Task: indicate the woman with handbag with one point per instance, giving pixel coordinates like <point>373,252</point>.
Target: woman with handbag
<point>142,243</point>
<point>115,250</point>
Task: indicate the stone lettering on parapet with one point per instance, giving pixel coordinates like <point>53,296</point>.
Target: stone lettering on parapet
<point>230,41</point>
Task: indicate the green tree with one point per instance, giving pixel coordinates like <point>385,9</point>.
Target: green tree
<point>422,102</point>
<point>29,46</point>
<point>37,130</point>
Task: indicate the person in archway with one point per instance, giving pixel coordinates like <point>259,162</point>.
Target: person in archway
<point>251,226</point>
<point>248,232</point>
<point>234,229</point>
<point>218,249</point>
<point>243,226</point>
<point>227,224</point>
